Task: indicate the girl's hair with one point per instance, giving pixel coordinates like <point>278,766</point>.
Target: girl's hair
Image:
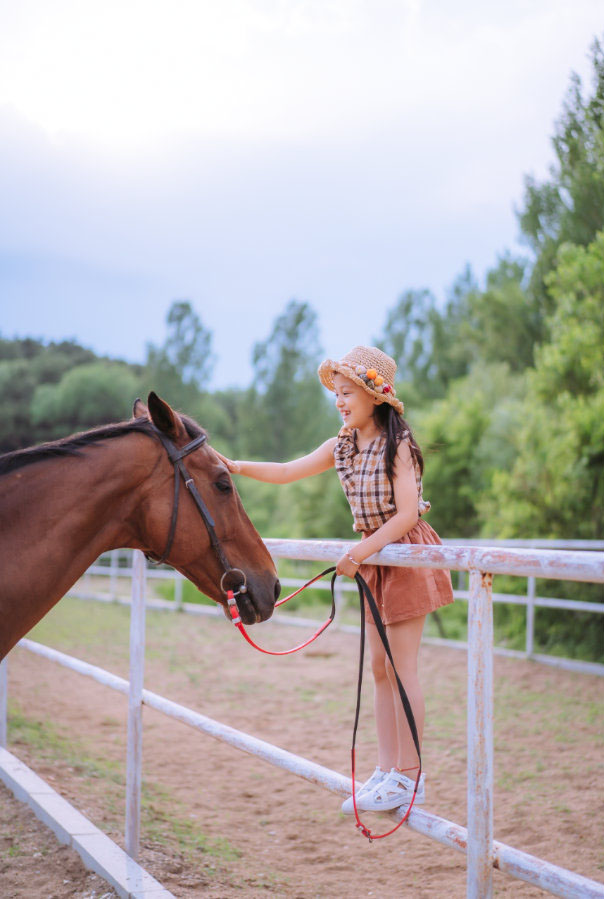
<point>395,427</point>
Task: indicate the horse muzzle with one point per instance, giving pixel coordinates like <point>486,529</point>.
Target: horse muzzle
<point>257,602</point>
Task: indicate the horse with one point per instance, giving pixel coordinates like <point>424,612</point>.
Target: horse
<point>65,502</point>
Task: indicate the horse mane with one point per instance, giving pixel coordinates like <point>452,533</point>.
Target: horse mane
<point>75,443</point>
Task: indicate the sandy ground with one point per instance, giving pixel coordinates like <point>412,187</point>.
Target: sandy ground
<point>34,864</point>
<point>219,823</point>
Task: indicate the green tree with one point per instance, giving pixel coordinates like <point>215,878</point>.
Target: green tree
<point>424,340</point>
<point>86,396</point>
<point>500,323</point>
<point>408,335</point>
<point>555,487</point>
<point>180,368</point>
<point>286,412</point>
<point>24,364</point>
<point>17,385</point>
<point>569,206</point>
<point>465,437</point>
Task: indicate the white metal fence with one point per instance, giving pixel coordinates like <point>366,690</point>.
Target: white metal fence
<point>483,852</point>
<point>118,564</point>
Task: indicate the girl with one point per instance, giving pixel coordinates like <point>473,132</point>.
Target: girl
<point>380,467</point>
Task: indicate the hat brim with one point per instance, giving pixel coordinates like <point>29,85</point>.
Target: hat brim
<point>329,368</point>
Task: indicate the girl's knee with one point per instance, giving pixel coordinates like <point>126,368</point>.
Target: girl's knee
<point>378,669</point>
<point>407,674</point>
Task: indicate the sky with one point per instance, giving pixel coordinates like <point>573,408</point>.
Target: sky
<point>245,153</point>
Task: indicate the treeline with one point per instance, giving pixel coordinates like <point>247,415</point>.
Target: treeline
<point>503,383</point>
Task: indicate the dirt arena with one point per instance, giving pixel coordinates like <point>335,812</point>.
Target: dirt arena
<point>219,823</point>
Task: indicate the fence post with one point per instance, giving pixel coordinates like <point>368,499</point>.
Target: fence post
<point>113,572</point>
<point>178,579</point>
<point>3,700</point>
<point>135,706</point>
<point>339,596</point>
<point>530,616</point>
<point>480,737</point>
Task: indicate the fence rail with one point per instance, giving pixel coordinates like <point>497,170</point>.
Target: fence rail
<point>520,865</point>
<point>483,852</point>
<point>531,601</point>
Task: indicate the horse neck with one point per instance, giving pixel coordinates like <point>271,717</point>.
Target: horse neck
<point>59,514</point>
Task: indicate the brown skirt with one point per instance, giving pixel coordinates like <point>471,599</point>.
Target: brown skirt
<point>403,593</point>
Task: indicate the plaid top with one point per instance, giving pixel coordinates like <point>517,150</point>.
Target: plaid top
<point>364,480</point>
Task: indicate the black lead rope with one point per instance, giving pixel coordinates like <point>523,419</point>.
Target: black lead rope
<point>365,594</point>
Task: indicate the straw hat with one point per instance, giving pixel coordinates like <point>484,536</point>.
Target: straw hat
<point>368,367</point>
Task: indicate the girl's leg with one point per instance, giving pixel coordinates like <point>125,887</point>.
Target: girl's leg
<point>404,638</point>
<point>385,716</point>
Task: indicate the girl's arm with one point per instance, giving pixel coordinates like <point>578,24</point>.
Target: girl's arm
<point>285,472</point>
<point>406,517</point>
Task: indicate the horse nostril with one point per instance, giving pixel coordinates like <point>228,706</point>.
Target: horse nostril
<point>277,590</point>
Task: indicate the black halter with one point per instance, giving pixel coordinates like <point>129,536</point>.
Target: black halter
<point>176,455</point>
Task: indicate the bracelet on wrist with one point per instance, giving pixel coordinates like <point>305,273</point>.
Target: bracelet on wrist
<point>354,562</point>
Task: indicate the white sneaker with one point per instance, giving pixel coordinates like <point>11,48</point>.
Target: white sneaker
<point>376,778</point>
<point>394,790</point>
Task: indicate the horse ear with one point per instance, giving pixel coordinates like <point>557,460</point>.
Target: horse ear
<point>163,416</point>
<point>139,410</point>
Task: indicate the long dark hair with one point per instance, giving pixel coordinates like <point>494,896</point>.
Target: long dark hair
<point>395,427</point>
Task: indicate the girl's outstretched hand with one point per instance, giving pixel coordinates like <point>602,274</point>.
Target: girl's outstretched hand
<point>233,467</point>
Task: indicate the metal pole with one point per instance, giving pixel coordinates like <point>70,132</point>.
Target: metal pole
<point>530,616</point>
<point>178,591</point>
<point>135,706</point>
<point>480,737</point>
<point>3,700</point>
<point>113,573</point>
<point>340,596</point>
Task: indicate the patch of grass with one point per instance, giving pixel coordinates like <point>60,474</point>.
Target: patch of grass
<point>307,694</point>
<point>563,809</point>
<point>86,624</point>
<point>51,745</point>
<point>190,593</point>
<point>166,826</point>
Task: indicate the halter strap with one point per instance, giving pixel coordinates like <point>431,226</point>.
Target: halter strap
<point>176,455</point>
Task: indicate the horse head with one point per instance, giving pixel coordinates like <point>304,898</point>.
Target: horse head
<point>191,551</point>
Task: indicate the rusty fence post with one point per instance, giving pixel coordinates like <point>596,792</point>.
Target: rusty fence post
<point>480,737</point>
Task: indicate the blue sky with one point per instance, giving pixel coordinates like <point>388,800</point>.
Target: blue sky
<point>246,153</point>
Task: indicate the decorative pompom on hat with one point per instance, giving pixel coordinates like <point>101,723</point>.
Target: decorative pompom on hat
<point>369,368</point>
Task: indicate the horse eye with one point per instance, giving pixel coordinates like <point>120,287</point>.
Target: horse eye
<point>223,485</point>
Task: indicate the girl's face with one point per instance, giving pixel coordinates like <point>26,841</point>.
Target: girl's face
<point>353,403</point>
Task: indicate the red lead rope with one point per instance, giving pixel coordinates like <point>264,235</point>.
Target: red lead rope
<point>365,830</point>
<point>232,604</point>
<point>364,592</point>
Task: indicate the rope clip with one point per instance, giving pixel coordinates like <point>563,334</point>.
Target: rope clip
<point>232,605</point>
<point>365,831</point>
